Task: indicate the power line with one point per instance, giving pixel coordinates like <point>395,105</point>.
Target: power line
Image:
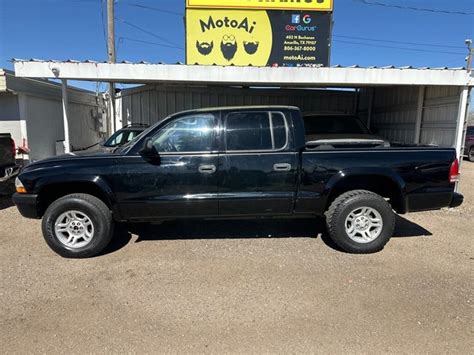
<point>153,8</point>
<point>394,47</point>
<point>413,8</point>
<point>146,31</point>
<point>400,42</point>
<point>152,43</point>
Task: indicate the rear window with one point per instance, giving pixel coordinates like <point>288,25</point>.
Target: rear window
<point>334,125</point>
<point>255,131</point>
<point>470,131</point>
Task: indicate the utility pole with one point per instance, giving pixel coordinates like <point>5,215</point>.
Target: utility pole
<point>111,59</point>
<point>468,43</point>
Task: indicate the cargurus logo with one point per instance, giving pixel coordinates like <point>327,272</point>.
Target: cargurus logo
<point>226,22</point>
<point>300,28</point>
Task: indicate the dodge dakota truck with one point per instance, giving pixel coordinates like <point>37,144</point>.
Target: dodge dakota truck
<point>234,163</point>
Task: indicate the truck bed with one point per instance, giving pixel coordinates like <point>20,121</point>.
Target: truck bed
<point>421,172</point>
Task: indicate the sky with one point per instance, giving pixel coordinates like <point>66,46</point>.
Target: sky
<point>365,32</point>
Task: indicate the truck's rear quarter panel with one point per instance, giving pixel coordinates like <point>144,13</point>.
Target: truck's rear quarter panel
<point>421,174</point>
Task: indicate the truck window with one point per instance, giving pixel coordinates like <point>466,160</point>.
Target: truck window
<point>255,131</point>
<point>334,125</point>
<point>280,134</point>
<point>186,134</point>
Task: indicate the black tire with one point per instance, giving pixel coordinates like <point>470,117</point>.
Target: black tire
<point>100,217</point>
<point>470,154</point>
<point>351,201</point>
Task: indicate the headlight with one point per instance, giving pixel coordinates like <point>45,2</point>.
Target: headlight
<point>19,186</point>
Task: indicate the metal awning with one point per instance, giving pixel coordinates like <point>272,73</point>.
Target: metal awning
<point>245,76</point>
<point>288,77</point>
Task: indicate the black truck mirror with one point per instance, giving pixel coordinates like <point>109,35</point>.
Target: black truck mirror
<point>149,152</point>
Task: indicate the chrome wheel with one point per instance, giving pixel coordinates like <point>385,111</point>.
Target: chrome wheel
<point>74,229</point>
<point>364,225</point>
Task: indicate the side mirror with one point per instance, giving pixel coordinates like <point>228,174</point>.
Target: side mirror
<point>149,152</point>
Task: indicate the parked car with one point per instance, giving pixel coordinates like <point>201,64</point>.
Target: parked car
<point>119,138</point>
<point>469,144</point>
<point>125,135</point>
<point>242,162</point>
<point>8,167</point>
<point>331,130</point>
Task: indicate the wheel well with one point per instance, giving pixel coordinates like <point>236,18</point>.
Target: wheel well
<point>52,192</point>
<point>379,184</point>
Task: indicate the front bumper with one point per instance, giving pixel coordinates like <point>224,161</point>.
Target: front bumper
<point>27,204</point>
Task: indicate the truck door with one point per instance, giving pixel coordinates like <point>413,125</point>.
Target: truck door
<point>183,183</point>
<point>257,169</point>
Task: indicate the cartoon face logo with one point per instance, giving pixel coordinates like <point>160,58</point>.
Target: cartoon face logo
<point>228,37</point>
<point>205,48</point>
<point>250,47</point>
<point>228,47</point>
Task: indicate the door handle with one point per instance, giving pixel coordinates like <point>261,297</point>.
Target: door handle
<point>282,167</point>
<point>207,169</point>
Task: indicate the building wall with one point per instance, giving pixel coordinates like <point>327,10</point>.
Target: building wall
<point>395,111</point>
<point>43,123</point>
<point>440,113</point>
<point>151,104</point>
<point>31,109</point>
<point>84,125</point>
<point>10,119</point>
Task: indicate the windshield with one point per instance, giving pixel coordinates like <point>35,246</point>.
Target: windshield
<point>334,125</point>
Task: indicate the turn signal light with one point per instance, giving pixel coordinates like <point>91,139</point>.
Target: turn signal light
<point>454,172</point>
<point>19,186</point>
<point>21,190</point>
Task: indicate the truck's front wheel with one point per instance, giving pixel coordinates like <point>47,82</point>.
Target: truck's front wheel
<point>360,222</point>
<point>77,226</point>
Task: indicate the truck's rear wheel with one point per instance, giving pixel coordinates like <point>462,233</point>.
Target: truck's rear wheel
<point>360,222</point>
<point>470,155</point>
<point>77,226</point>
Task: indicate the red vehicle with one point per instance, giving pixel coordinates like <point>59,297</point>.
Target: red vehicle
<point>469,144</point>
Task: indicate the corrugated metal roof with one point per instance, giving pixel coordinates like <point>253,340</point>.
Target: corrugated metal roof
<point>10,82</point>
<point>180,63</point>
<point>335,76</point>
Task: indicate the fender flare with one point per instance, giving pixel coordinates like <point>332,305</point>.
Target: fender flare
<point>94,180</point>
<point>373,172</point>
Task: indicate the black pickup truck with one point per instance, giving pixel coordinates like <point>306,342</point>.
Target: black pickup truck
<point>234,163</point>
<point>8,167</point>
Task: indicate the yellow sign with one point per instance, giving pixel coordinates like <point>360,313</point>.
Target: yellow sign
<point>307,5</point>
<point>226,37</point>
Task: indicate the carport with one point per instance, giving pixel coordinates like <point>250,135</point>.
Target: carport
<point>407,105</point>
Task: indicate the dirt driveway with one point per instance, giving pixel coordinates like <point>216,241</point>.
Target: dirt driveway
<point>243,287</point>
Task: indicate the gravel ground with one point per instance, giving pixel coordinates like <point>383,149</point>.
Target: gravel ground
<point>236,287</point>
